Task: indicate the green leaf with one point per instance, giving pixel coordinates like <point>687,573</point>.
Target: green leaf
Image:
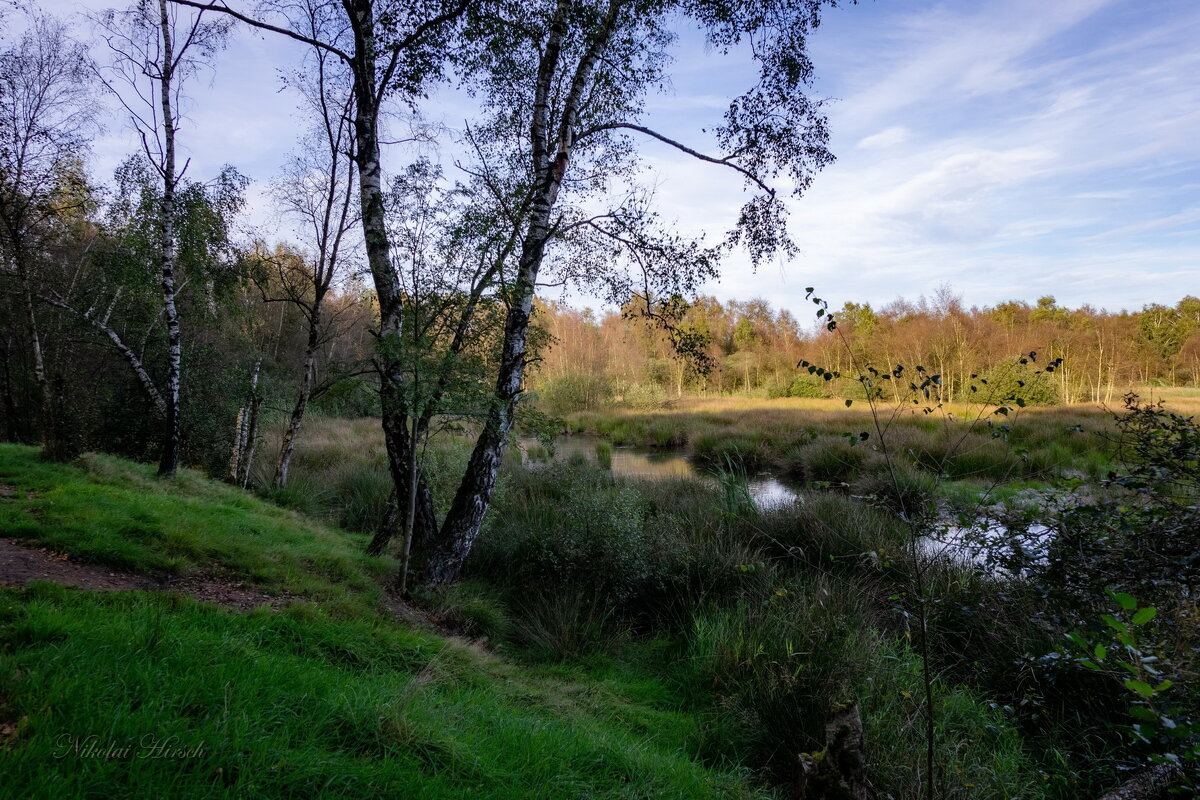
<point>1100,652</point>
<point>1141,687</point>
<point>1126,600</point>
<point>1144,615</point>
<point>1087,662</point>
<point>1114,623</point>
<point>1162,687</point>
<point>1143,713</point>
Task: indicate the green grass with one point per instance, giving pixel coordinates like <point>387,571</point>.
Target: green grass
<point>329,697</point>
<point>301,704</point>
<point>808,438</point>
<point>110,511</point>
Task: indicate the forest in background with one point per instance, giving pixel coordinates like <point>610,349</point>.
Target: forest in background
<point>750,348</point>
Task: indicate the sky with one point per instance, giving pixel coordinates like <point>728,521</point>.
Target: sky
<point>1010,149</point>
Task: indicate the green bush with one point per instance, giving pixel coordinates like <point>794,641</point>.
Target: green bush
<point>808,386</point>
<point>641,396</point>
<point>570,524</point>
<point>573,392</point>
<point>1014,380</point>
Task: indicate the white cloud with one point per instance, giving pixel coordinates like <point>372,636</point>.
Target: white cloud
<point>888,137</point>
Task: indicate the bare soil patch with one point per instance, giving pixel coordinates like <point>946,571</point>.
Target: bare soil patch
<point>21,564</point>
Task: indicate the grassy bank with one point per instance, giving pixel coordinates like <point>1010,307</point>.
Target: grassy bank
<point>329,697</point>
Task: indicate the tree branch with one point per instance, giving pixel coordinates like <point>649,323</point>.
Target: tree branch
<point>724,162</point>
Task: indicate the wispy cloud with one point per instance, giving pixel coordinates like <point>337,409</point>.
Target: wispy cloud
<point>1009,147</point>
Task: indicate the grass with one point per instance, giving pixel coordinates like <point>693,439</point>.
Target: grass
<point>110,511</point>
<point>776,614</point>
<point>649,639</point>
<point>329,697</point>
<point>810,439</point>
<point>301,704</point>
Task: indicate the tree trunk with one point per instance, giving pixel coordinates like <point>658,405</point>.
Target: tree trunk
<point>172,433</point>
<point>48,424</point>
<point>410,509</point>
<point>306,382</point>
<point>463,522</point>
<point>839,771</point>
<point>383,274</point>
<point>1149,784</point>
<point>245,429</point>
<point>11,429</point>
<point>251,442</point>
<point>135,363</point>
<point>474,494</point>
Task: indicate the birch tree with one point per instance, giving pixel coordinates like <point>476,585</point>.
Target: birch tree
<point>565,84</point>
<point>563,87</point>
<point>46,114</point>
<point>155,51</point>
<point>317,190</point>
<point>391,49</point>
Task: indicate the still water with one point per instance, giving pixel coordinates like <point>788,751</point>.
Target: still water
<point>962,543</point>
<point>767,489</point>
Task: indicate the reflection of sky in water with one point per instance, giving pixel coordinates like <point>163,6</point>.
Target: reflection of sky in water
<point>967,545</point>
<point>767,490</point>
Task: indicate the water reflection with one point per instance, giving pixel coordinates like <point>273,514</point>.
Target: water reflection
<point>984,544</point>
<point>768,490</point>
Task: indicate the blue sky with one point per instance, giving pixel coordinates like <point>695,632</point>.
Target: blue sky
<point>1009,148</point>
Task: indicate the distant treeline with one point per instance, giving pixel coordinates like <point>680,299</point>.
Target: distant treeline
<point>751,348</point>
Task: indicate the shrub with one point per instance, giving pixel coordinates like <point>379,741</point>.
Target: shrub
<point>808,386</point>
<point>641,396</point>
<point>574,391</point>
<point>567,525</point>
<point>1015,380</point>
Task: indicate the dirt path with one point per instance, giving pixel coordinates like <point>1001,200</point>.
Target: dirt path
<point>21,564</point>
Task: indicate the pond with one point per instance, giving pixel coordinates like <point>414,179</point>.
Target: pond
<point>767,489</point>
<point>954,541</point>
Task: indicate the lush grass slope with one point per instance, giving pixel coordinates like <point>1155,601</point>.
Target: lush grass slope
<point>328,698</point>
